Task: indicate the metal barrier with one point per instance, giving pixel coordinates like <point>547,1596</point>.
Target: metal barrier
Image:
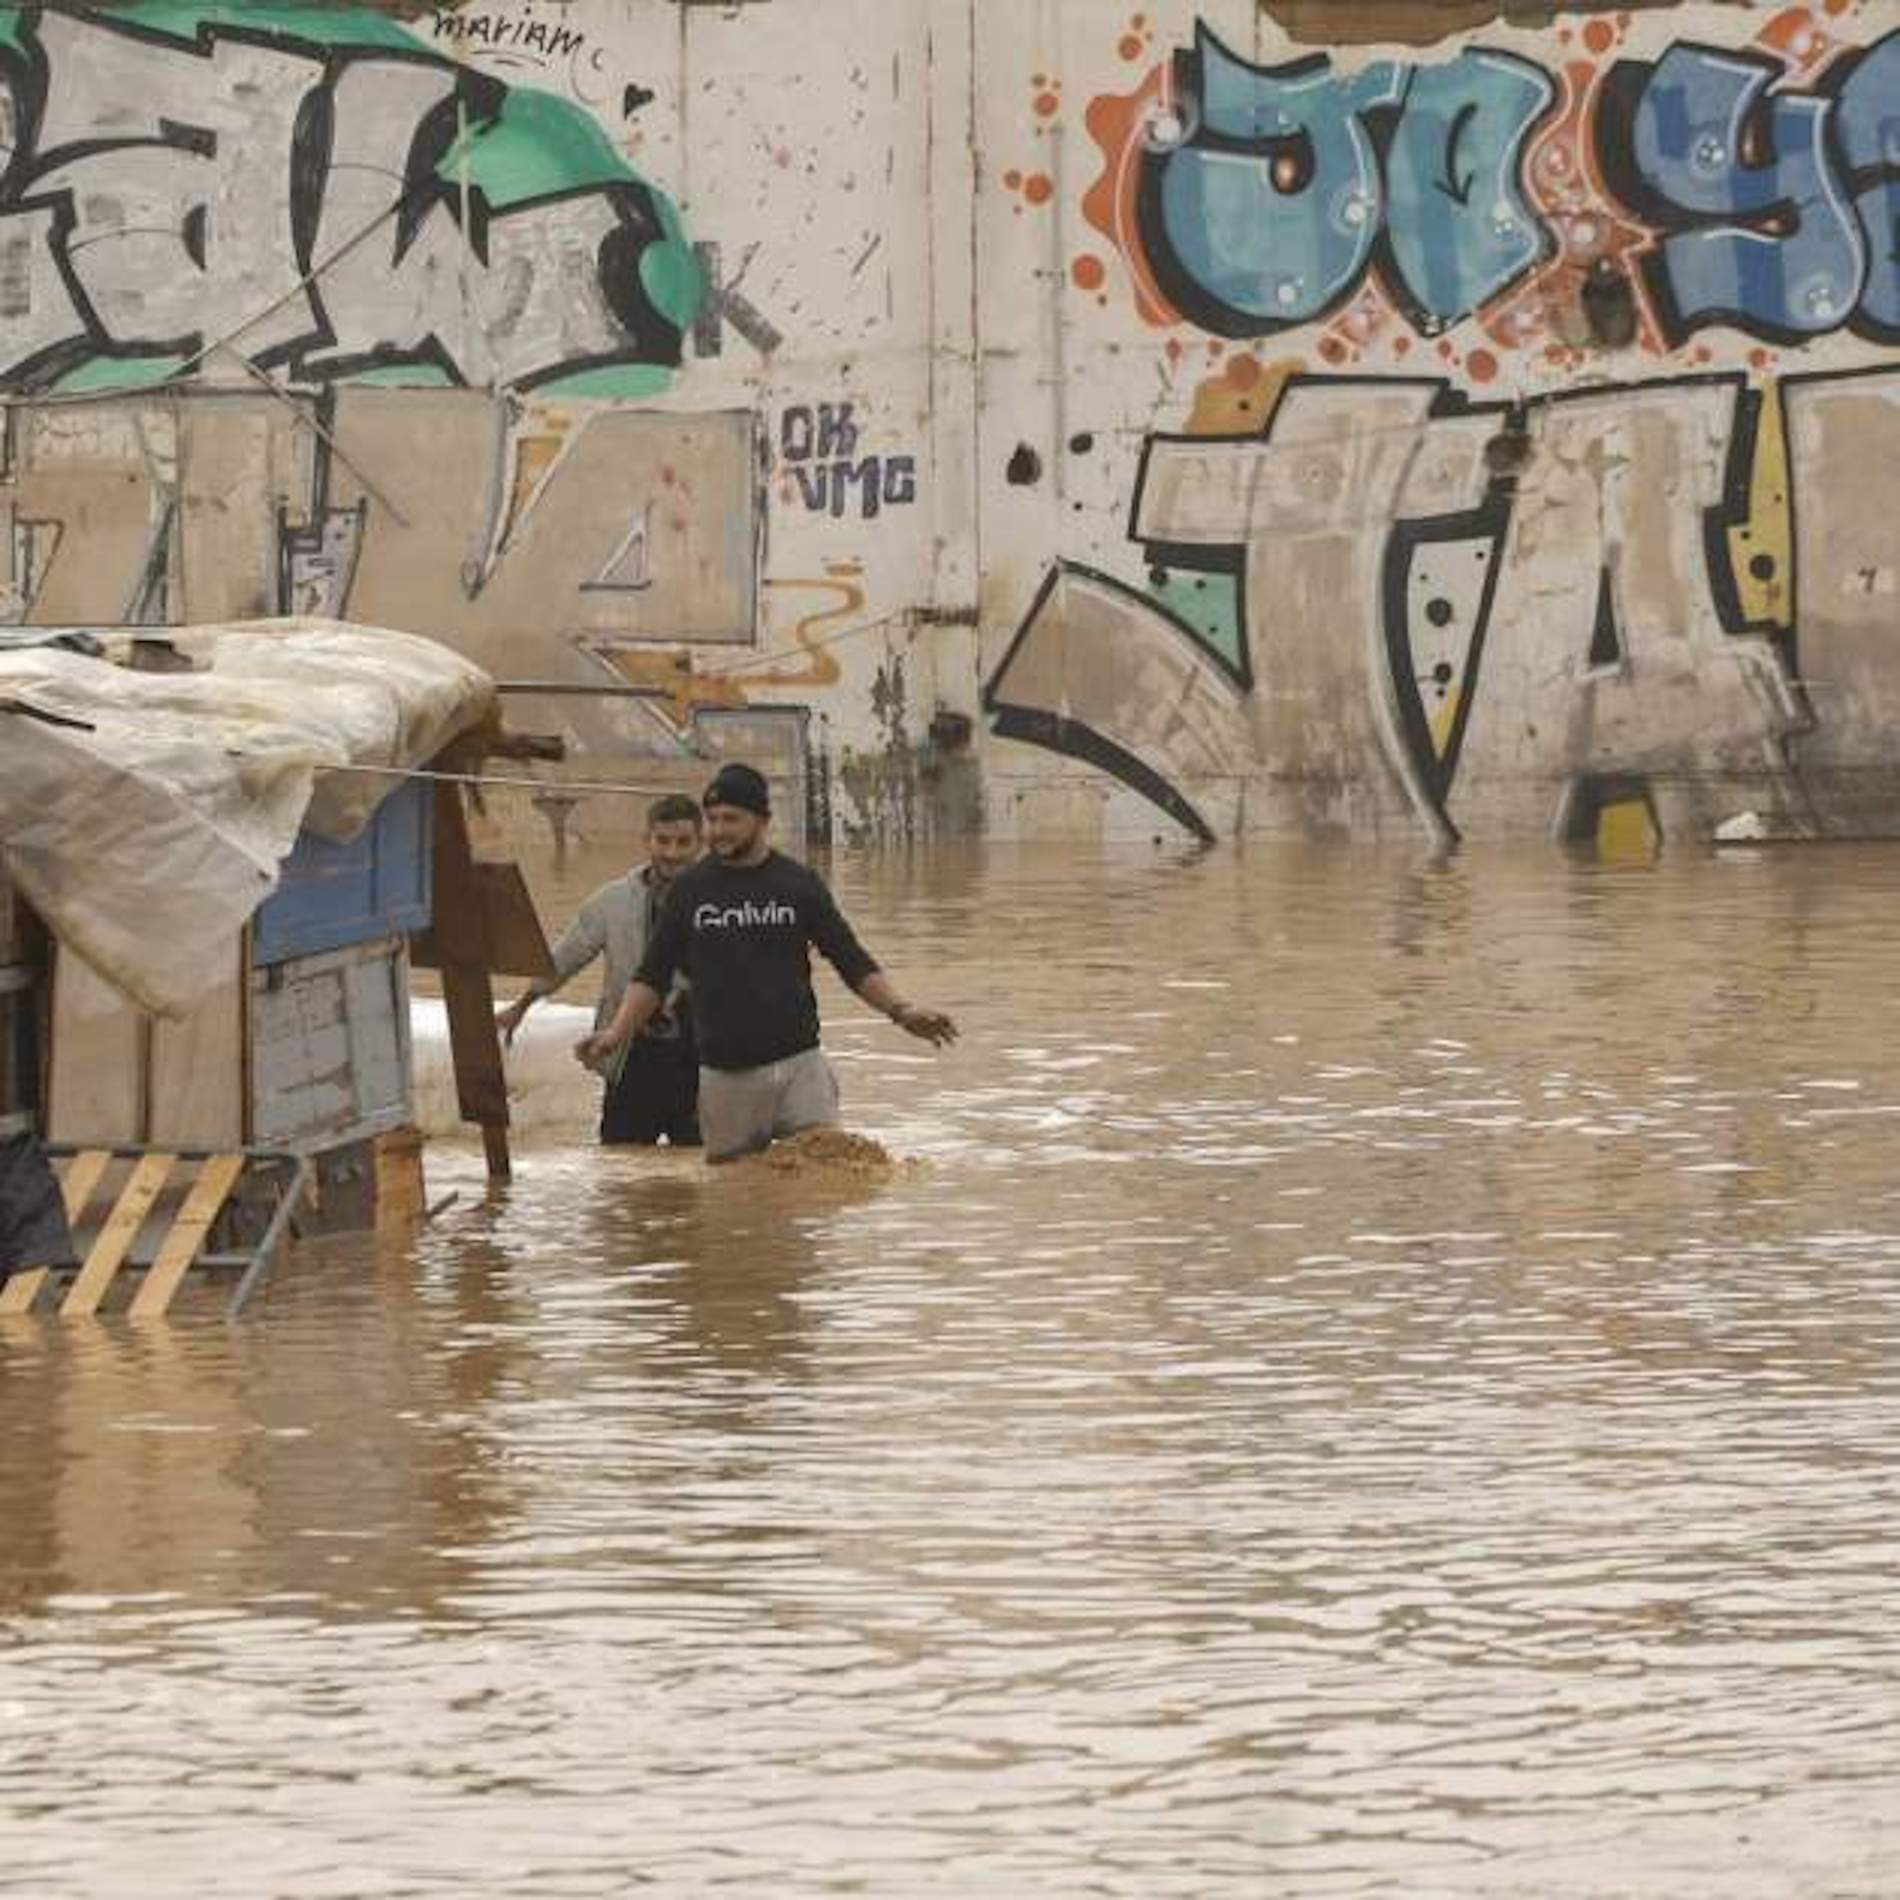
<point>143,1229</point>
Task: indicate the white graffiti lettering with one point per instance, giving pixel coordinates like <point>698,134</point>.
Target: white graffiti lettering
<point>330,213</point>
<point>1475,617</point>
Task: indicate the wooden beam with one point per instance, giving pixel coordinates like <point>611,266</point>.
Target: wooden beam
<point>202,1206</point>
<point>459,929</point>
<point>83,1174</point>
<point>20,1289</point>
<point>117,1235</point>
<point>512,941</point>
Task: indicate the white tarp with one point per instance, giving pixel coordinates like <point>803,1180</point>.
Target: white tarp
<point>548,1090</point>
<point>144,814</point>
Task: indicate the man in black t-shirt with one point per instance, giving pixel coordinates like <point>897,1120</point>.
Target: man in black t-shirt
<point>741,924</point>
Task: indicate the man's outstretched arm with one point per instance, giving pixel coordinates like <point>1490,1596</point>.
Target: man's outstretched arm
<point>645,996</point>
<point>580,943</point>
<point>855,964</point>
<point>929,1025</point>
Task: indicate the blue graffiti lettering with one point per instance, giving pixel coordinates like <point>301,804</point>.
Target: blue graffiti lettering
<point>1459,227</point>
<point>1283,185</point>
<point>1266,213</point>
<point>1867,128</point>
<point>1760,233</point>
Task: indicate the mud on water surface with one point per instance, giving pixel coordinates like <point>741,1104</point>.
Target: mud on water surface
<point>825,1151</point>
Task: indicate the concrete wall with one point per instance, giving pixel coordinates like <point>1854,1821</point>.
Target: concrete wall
<point>1025,415</point>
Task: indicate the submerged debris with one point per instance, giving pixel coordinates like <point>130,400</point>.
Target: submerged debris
<point>827,1151</point>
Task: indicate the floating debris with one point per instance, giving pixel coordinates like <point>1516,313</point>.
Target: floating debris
<point>834,1151</point>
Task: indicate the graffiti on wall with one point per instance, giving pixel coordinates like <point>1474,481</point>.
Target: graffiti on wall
<point>523,39</point>
<point>317,191</point>
<point>818,446</point>
<point>1370,597</point>
<point>1453,613</point>
<point>1559,203</point>
<point>572,532</point>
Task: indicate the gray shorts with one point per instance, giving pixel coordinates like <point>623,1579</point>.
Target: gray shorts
<point>742,1110</point>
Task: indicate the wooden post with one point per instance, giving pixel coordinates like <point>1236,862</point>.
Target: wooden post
<point>459,931</point>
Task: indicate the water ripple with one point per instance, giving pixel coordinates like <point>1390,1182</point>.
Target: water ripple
<point>1384,1384</point>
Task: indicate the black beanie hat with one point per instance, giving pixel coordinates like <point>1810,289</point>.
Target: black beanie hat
<point>739,785</point>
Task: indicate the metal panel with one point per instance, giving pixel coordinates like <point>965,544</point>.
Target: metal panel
<point>330,895</point>
<point>330,1057</point>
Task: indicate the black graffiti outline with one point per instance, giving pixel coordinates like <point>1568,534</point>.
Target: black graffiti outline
<point>1730,510</point>
<point>1435,773</point>
<point>1199,558</point>
<point>1075,738</point>
<point>1057,732</point>
<point>1797,380</point>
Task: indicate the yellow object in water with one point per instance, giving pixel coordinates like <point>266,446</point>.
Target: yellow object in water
<point>1627,829</point>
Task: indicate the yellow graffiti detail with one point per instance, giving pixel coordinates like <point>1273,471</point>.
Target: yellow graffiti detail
<point>537,448</point>
<point>671,677</point>
<point>820,669</point>
<point>1627,829</point>
<point>1444,722</point>
<point>1761,549</point>
<point>685,689</point>
<point>1242,398</point>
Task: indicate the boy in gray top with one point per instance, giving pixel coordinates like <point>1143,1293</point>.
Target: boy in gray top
<point>653,1080</point>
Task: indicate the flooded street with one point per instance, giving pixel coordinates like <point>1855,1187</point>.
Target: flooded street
<point>1369,1377</point>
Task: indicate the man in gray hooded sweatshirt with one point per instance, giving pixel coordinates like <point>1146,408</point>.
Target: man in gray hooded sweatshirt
<point>652,1079</point>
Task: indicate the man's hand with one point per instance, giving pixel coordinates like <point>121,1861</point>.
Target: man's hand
<point>592,1051</point>
<point>510,1019</point>
<point>927,1025</point>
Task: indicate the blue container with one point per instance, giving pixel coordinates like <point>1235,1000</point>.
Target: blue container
<point>332,895</point>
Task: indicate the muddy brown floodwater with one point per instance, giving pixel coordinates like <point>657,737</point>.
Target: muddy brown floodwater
<point>1365,1377</point>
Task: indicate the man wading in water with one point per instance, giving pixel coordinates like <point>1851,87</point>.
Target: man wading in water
<point>741,925</point>
<point>653,1079</point>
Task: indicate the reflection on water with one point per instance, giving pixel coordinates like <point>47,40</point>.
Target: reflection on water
<point>1382,1380</point>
